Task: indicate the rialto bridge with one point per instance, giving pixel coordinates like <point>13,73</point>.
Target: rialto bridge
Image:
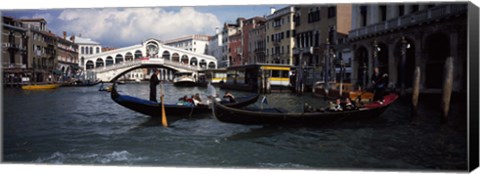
<point>104,66</point>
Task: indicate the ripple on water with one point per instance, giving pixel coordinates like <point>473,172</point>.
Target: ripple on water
<point>116,157</point>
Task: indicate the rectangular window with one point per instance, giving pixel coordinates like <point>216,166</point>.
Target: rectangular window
<point>275,73</point>
<point>363,15</point>
<point>414,8</point>
<point>288,33</point>
<point>401,10</point>
<point>383,13</point>
<point>332,12</point>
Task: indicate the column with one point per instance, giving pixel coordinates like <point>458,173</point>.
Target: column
<point>392,68</point>
<point>420,61</point>
<point>457,62</point>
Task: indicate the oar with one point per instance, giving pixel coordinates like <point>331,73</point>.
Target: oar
<point>164,116</point>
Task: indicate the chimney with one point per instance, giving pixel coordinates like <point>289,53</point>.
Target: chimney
<point>272,10</point>
<point>216,30</point>
<point>64,35</point>
<point>72,38</point>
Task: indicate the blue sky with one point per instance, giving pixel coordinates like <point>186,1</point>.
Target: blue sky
<point>120,27</point>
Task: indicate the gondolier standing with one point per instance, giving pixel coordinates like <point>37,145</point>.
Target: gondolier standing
<point>153,85</point>
<point>379,82</point>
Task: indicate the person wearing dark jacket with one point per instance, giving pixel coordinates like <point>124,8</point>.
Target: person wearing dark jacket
<point>379,83</point>
<point>153,85</point>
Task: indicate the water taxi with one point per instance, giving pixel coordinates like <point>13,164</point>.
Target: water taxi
<point>185,79</point>
<point>254,77</point>
<point>214,76</point>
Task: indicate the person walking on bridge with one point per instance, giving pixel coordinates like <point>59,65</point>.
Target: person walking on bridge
<point>153,85</point>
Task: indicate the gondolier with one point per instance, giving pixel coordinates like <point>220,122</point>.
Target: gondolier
<point>379,82</point>
<point>153,85</point>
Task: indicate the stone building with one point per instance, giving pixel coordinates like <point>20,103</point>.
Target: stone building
<point>41,49</point>
<point>399,37</point>
<point>248,25</point>
<point>256,43</point>
<point>280,36</point>
<point>196,43</point>
<point>317,31</point>
<point>67,57</point>
<point>15,62</point>
<point>229,29</point>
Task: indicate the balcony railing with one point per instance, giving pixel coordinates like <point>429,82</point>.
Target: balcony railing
<point>438,12</point>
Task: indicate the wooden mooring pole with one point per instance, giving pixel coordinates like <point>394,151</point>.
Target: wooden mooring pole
<point>416,91</point>
<point>447,87</point>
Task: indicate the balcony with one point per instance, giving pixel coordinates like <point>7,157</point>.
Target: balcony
<point>429,15</point>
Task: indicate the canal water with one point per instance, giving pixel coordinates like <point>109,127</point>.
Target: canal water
<point>81,125</point>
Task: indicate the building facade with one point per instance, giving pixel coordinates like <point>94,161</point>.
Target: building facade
<point>235,49</point>
<point>68,60</point>
<point>41,50</point>
<point>227,31</point>
<point>86,47</point>
<point>280,36</point>
<point>15,62</point>
<point>196,43</point>
<point>249,25</point>
<point>317,31</point>
<point>215,45</point>
<point>256,43</point>
<point>399,37</point>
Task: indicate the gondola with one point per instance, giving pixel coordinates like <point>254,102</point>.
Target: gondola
<point>173,111</point>
<point>278,116</point>
<point>80,84</point>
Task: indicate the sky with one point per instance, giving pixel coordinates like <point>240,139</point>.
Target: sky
<point>121,27</point>
<point>122,23</point>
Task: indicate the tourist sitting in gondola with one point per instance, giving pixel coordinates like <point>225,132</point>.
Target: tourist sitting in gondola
<point>185,101</point>
<point>229,97</point>
<point>335,107</point>
<point>349,106</point>
<point>197,100</point>
<point>308,108</point>
<point>184,98</point>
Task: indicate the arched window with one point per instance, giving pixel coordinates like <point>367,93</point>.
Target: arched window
<point>109,61</point>
<point>175,57</point>
<point>211,65</point>
<point>83,50</point>
<point>118,59</point>
<point>89,65</point>
<point>194,61</point>
<point>99,63</point>
<point>166,55</point>
<point>97,50</point>
<point>138,54</point>
<point>203,63</point>
<point>184,59</point>
<point>128,57</point>
<point>91,50</point>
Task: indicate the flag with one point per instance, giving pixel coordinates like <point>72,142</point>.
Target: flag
<point>264,100</point>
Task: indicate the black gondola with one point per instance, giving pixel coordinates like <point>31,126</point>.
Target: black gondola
<point>172,111</point>
<point>279,116</point>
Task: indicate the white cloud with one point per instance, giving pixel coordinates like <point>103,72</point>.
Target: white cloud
<point>127,26</point>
